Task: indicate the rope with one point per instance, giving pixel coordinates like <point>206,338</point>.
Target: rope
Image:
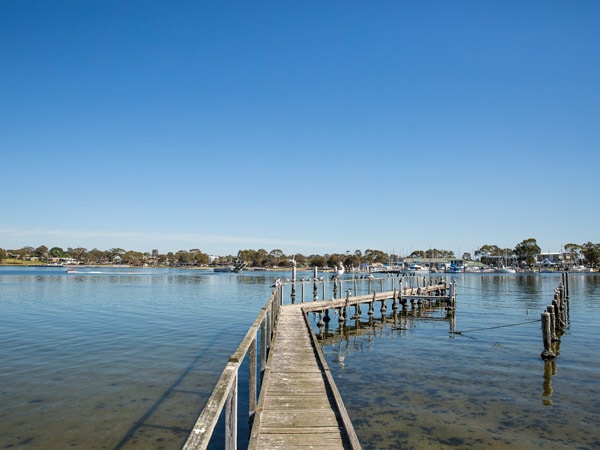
<point>493,328</point>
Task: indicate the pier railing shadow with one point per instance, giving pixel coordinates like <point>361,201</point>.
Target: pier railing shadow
<point>224,398</point>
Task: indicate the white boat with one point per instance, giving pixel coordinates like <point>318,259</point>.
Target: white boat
<point>580,269</point>
<point>504,269</point>
<point>415,269</point>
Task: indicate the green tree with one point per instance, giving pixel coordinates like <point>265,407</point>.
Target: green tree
<point>2,254</point>
<point>24,253</point>
<point>317,261</point>
<point>375,256</point>
<point>573,253</point>
<point>57,252</point>
<point>527,250</point>
<point>301,260</point>
<point>184,257</point>
<point>591,252</point>
<point>485,251</point>
<point>352,260</point>
<point>80,254</point>
<point>98,256</point>
<point>276,258</point>
<point>41,252</point>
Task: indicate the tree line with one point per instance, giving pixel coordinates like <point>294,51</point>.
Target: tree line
<point>524,252</point>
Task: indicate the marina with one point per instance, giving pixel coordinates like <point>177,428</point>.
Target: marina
<point>471,378</point>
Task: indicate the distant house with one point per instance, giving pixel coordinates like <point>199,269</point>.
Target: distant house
<point>557,259</point>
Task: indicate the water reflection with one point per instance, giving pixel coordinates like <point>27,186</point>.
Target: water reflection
<point>332,327</point>
<point>486,391</point>
<point>549,372</point>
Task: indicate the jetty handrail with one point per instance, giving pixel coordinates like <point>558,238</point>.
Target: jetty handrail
<point>225,393</point>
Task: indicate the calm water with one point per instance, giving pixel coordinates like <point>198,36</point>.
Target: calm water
<point>415,385</point>
<point>126,359</point>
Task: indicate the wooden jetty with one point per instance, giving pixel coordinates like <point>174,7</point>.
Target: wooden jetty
<point>298,402</point>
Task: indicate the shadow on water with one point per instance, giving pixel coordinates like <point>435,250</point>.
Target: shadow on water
<point>142,422</point>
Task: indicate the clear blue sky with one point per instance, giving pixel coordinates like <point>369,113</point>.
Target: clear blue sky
<point>311,127</point>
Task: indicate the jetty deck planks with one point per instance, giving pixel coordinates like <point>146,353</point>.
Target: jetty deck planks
<point>298,406</point>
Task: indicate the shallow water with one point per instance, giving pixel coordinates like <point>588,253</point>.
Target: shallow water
<point>126,359</point>
<point>116,359</point>
<point>419,386</point>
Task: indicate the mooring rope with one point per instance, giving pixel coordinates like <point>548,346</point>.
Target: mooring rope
<point>494,327</point>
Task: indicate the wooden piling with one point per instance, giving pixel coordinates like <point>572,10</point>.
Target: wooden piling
<point>547,337</point>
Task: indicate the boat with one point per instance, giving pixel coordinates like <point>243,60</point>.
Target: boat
<point>504,269</point>
<point>235,268</point>
<point>580,269</point>
<point>415,269</point>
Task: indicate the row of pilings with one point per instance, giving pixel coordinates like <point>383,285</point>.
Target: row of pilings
<point>444,297</point>
<point>555,319</point>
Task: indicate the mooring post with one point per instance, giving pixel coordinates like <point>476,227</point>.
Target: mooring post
<point>547,337</point>
<point>383,308</point>
<point>400,291</point>
<point>320,323</point>
<point>550,310</point>
<point>315,290</point>
<point>556,307</point>
<point>293,281</point>
<point>355,288</point>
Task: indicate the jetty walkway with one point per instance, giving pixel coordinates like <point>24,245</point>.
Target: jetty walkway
<point>298,402</point>
<point>299,405</point>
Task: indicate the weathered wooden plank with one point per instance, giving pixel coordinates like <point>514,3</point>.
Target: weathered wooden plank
<point>296,408</point>
<point>299,419</point>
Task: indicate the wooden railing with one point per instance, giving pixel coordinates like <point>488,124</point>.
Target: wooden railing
<point>225,393</point>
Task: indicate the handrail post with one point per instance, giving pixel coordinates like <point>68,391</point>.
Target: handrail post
<point>252,380</point>
<point>263,347</point>
<point>231,417</point>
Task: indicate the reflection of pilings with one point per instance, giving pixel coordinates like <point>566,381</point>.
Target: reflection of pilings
<point>398,322</point>
<point>549,372</point>
<point>565,279</point>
